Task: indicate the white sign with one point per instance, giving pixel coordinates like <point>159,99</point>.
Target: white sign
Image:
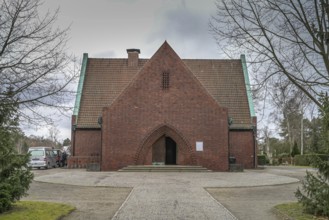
<point>199,146</point>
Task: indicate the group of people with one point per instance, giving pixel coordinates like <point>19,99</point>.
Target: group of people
<point>63,160</point>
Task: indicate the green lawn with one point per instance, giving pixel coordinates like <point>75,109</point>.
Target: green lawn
<point>294,211</point>
<point>33,210</point>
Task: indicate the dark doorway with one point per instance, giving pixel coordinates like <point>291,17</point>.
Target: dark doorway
<point>170,151</point>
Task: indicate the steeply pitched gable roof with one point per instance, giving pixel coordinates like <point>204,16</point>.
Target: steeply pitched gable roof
<point>105,79</point>
<point>224,80</point>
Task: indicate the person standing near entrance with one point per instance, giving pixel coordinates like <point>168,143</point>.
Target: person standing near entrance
<point>64,159</point>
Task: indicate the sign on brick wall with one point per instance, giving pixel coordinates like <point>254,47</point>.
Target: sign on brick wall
<point>199,146</point>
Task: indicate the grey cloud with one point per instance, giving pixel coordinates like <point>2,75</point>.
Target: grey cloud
<point>189,30</point>
<point>104,54</point>
<point>183,3</point>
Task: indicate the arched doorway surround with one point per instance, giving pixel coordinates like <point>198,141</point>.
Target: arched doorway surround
<point>185,154</point>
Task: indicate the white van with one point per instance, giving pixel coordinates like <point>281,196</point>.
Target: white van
<point>42,157</point>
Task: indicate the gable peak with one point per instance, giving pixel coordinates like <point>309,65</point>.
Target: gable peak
<point>166,48</point>
<point>166,44</point>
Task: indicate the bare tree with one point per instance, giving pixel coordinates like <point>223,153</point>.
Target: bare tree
<point>280,37</point>
<point>264,139</point>
<point>53,135</point>
<point>35,70</point>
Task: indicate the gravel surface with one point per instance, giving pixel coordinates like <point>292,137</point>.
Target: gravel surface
<point>104,195</point>
<point>256,203</point>
<point>90,202</point>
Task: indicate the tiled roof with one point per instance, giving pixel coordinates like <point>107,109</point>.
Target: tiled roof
<point>224,80</point>
<point>105,79</point>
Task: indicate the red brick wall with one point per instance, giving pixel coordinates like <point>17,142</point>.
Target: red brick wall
<point>185,110</point>
<point>86,147</point>
<point>242,147</point>
<point>87,142</point>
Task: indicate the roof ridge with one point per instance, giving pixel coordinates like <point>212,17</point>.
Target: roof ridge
<point>113,58</point>
<point>189,59</point>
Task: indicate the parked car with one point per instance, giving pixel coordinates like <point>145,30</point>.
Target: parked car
<point>58,156</point>
<point>42,157</point>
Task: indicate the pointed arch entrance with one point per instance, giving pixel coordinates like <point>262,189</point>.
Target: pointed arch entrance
<point>164,151</point>
<point>165,145</point>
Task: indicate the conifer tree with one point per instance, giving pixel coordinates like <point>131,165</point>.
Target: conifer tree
<point>15,176</point>
<point>314,195</point>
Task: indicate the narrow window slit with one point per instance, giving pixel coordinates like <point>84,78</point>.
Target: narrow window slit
<point>165,80</point>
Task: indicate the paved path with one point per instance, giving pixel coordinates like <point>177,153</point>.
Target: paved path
<point>163,202</point>
<point>168,195</point>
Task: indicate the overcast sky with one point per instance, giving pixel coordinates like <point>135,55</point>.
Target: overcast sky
<point>106,28</point>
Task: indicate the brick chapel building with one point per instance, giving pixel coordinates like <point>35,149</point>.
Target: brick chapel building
<point>163,110</point>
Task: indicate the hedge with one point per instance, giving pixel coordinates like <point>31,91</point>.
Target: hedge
<point>306,159</point>
<point>262,160</point>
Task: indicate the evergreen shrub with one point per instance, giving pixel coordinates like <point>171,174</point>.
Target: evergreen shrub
<point>261,159</point>
<point>306,159</point>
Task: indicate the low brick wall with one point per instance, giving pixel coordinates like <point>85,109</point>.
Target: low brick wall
<point>82,161</point>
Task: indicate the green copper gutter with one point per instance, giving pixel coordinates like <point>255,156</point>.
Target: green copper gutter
<point>247,82</point>
<point>80,85</point>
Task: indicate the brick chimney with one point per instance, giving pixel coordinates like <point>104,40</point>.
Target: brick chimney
<point>133,57</point>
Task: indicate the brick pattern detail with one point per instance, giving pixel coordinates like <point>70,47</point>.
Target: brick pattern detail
<point>87,142</point>
<point>242,148</point>
<point>132,58</point>
<point>86,147</point>
<point>82,161</point>
<point>186,112</point>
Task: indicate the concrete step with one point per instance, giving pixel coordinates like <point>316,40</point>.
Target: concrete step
<point>163,168</point>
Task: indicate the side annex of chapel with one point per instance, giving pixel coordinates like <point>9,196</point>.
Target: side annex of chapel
<point>163,110</point>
